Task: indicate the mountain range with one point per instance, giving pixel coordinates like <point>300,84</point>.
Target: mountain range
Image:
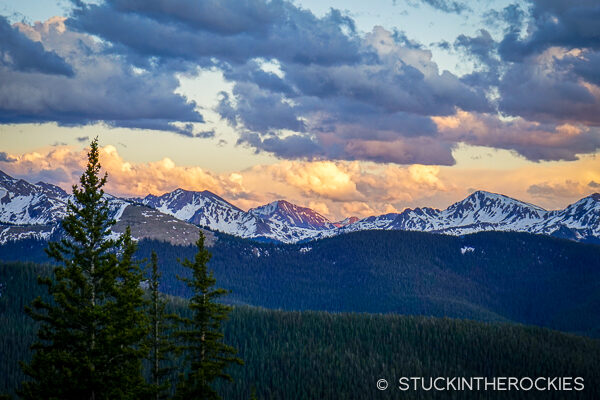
<point>34,210</point>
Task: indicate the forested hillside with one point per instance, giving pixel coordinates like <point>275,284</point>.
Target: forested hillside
<point>308,355</point>
<point>492,276</point>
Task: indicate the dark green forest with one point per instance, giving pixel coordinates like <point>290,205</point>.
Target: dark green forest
<point>308,355</point>
<point>531,279</point>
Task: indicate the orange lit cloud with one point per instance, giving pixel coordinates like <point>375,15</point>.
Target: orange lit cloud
<point>336,189</point>
<point>322,178</point>
<point>62,165</point>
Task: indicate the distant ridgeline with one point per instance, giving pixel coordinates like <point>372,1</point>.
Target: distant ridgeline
<point>489,276</point>
<point>34,211</point>
<point>318,355</point>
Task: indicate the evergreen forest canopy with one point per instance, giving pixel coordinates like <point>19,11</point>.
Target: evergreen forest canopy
<point>507,276</point>
<point>308,355</point>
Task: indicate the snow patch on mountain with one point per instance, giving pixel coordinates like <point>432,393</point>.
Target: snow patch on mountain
<point>467,249</point>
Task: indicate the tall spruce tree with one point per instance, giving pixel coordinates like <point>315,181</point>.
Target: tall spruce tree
<point>203,345</point>
<point>161,346</point>
<point>91,335</point>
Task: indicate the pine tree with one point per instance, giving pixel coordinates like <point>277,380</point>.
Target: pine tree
<point>160,344</point>
<point>203,345</point>
<point>91,335</point>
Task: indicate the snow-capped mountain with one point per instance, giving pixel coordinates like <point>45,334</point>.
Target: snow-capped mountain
<point>23,203</point>
<point>279,221</point>
<point>578,221</point>
<point>484,211</point>
<point>199,208</point>
<point>481,211</point>
<point>293,215</point>
<point>34,210</point>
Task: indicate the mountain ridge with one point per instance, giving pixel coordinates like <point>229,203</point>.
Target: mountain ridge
<point>34,210</point>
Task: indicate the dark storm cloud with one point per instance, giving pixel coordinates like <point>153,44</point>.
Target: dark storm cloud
<point>330,81</point>
<point>542,73</point>
<point>481,46</point>
<point>569,24</point>
<point>546,70</point>
<point>101,88</point>
<point>183,29</point>
<point>225,17</point>
<point>384,97</point>
<point>391,86</point>
<point>294,146</point>
<point>260,110</point>
<point>556,95</point>
<point>586,67</point>
<point>18,52</point>
<point>251,72</point>
<point>482,50</point>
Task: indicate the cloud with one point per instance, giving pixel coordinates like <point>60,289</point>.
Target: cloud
<point>548,72</point>
<point>314,88</point>
<point>545,88</point>
<point>545,78</point>
<point>555,23</point>
<point>251,107</point>
<point>329,83</point>
<point>345,184</point>
<point>594,184</point>
<point>532,140</point>
<point>233,31</point>
<point>325,179</point>
<point>319,207</point>
<point>5,157</point>
<point>360,209</point>
<point>205,134</point>
<point>335,188</point>
<point>20,53</point>
<point>447,6</point>
<point>586,66</point>
<point>101,88</point>
<point>549,190</point>
<point>510,17</point>
<point>63,165</point>
<point>482,49</point>
<point>293,146</point>
<point>378,110</point>
<point>480,46</point>
<point>405,151</point>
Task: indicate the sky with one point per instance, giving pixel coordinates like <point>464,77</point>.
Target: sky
<point>348,107</point>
